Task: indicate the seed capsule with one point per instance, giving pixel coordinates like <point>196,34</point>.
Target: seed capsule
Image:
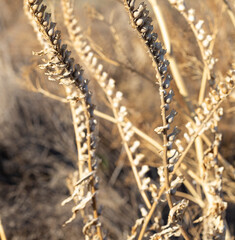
<point>35,7</point>
<point>50,32</point>
<point>140,22</point>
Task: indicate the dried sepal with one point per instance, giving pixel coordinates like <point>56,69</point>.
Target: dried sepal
<point>177,212</point>
<point>161,129</point>
<point>138,223</point>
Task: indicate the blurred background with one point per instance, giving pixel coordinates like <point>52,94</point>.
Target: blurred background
<point>37,147</point>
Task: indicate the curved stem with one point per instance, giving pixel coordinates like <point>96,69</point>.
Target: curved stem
<point>130,157</point>
<point>93,190</point>
<point>162,190</point>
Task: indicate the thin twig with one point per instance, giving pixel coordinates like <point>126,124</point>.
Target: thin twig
<point>2,232</point>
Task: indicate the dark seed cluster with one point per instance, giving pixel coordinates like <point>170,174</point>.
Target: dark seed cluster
<point>143,23</point>
<point>60,67</point>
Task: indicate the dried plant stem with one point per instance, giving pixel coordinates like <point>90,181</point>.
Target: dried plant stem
<point>206,72</point>
<point>166,39</point>
<point>230,12</point>
<point>60,67</point>
<point>223,161</point>
<point>203,85</point>
<point>162,190</point>
<point>166,172</point>
<point>147,138</point>
<point>2,232</point>
<point>165,141</point>
<point>229,167</point>
<point>93,190</point>
<point>118,63</point>
<point>105,116</point>
<point>174,69</point>
<point>200,154</point>
<point>78,144</point>
<point>163,114</point>
<point>164,120</point>
<point>191,189</point>
<point>80,163</point>
<point>130,157</point>
<point>79,40</point>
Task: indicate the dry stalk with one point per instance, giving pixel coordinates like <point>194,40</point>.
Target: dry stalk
<point>124,125</point>
<point>194,197</point>
<point>170,54</point>
<point>142,23</point>
<point>2,232</point>
<point>204,41</point>
<point>230,12</point>
<point>60,67</point>
<point>220,97</point>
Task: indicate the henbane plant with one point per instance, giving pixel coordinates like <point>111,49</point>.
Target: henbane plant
<point>162,192</point>
<point>60,67</point>
<point>142,22</point>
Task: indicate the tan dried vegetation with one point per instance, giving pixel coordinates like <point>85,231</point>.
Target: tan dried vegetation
<point>149,88</point>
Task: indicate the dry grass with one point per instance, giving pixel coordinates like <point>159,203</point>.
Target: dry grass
<point>60,145</point>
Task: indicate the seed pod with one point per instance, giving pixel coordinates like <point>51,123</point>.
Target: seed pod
<point>166,83</point>
<point>99,69</point>
<point>191,15</point>
<point>190,128</point>
<point>215,96</point>
<point>171,116</point>
<point>103,77</point>
<point>172,136</point>
<point>208,103</point>
<point>168,98</point>
<point>41,11</point>
<point>200,114</point>
<point>144,29</point>
<point>131,4</point>
<point>179,145</point>
<point>199,24</point>
<point>94,62</point>
<point>187,137</point>
<point>140,22</point>
<point>230,82</point>
<point>223,88</point>
<point>134,147</point>
<point>35,7</point>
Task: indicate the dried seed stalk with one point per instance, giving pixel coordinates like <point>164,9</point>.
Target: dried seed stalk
<point>142,23</point>
<point>205,42</point>
<point>61,68</point>
<point>114,97</point>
